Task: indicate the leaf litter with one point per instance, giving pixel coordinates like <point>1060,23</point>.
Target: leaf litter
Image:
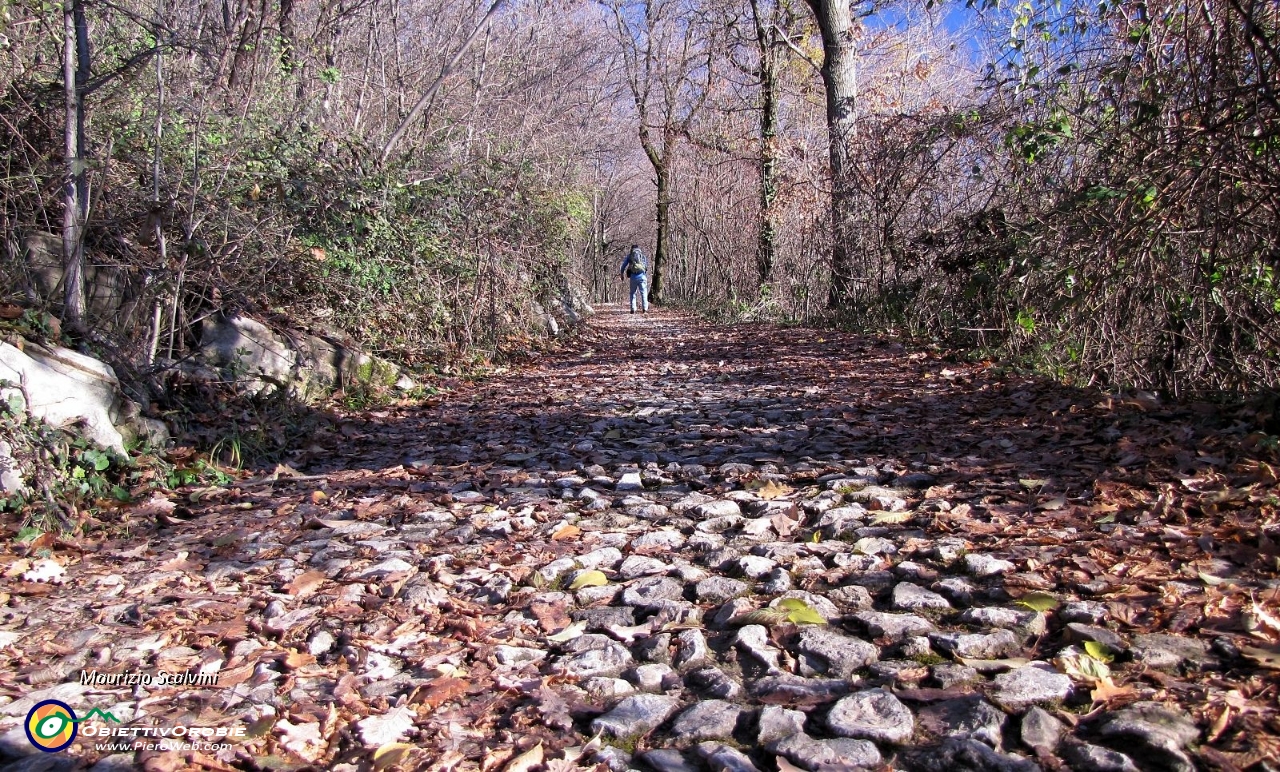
<point>455,585</point>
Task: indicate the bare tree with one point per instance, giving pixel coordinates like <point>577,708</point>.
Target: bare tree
<point>669,61</point>
<point>774,24</point>
<point>445,72</point>
<point>839,76</point>
<point>75,74</point>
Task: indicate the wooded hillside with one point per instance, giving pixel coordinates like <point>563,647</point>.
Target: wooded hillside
<point>1089,188</point>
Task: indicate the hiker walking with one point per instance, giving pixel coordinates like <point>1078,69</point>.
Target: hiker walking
<point>635,268</point>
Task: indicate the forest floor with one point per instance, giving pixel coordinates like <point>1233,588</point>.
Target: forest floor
<point>676,546</point>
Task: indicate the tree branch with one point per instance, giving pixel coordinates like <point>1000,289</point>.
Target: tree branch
<point>431,91</point>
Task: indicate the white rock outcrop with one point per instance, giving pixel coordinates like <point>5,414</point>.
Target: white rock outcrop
<point>72,391</point>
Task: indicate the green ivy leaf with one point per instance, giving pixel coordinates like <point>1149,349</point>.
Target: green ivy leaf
<point>97,459</point>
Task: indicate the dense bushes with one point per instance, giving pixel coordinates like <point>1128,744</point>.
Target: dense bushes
<point>1106,212</point>
<point>228,175</point>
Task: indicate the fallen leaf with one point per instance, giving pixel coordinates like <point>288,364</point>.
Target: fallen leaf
<point>1259,622</point>
<point>589,579</point>
<point>773,490</point>
<point>236,675</point>
<point>495,758</point>
<point>1054,504</point>
<point>566,533</point>
<point>628,634</point>
<point>231,630</point>
<point>1083,668</point>
<point>303,740</point>
<point>305,584</point>
<point>391,754</point>
<point>386,728</point>
<point>552,616</point>
<point>784,525</point>
<point>1099,651</point>
<point>527,760</point>
<point>1105,690</point>
<point>801,613</point>
<point>442,690</point>
<point>765,616</point>
<point>1219,725</point>
<point>1038,601</point>
<point>295,659</point>
<point>554,710</point>
<point>1214,581</point>
<point>574,630</point>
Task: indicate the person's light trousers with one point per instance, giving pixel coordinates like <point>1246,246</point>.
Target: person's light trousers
<point>640,287</point>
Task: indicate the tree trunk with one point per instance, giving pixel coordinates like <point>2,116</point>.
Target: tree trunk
<point>770,64</point>
<point>768,246</point>
<point>250,39</point>
<point>288,37</point>
<point>662,160</point>
<point>663,247</point>
<point>75,72</point>
<point>839,76</point>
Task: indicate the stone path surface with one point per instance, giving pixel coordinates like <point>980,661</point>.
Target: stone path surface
<point>678,547</point>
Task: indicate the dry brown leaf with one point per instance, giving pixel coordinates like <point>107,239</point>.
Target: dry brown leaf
<point>773,490</point>
<point>447,761</point>
<point>1054,504</point>
<point>17,568</point>
<point>527,760</point>
<point>179,563</point>
<point>784,525</point>
<point>205,761</point>
<point>551,617</point>
<point>305,584</point>
<point>566,533</point>
<point>231,630</point>
<point>296,659</point>
<point>495,758</point>
<point>34,588</point>
<point>235,676</point>
<point>442,690</point>
<point>1106,690</point>
<point>1219,726</point>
